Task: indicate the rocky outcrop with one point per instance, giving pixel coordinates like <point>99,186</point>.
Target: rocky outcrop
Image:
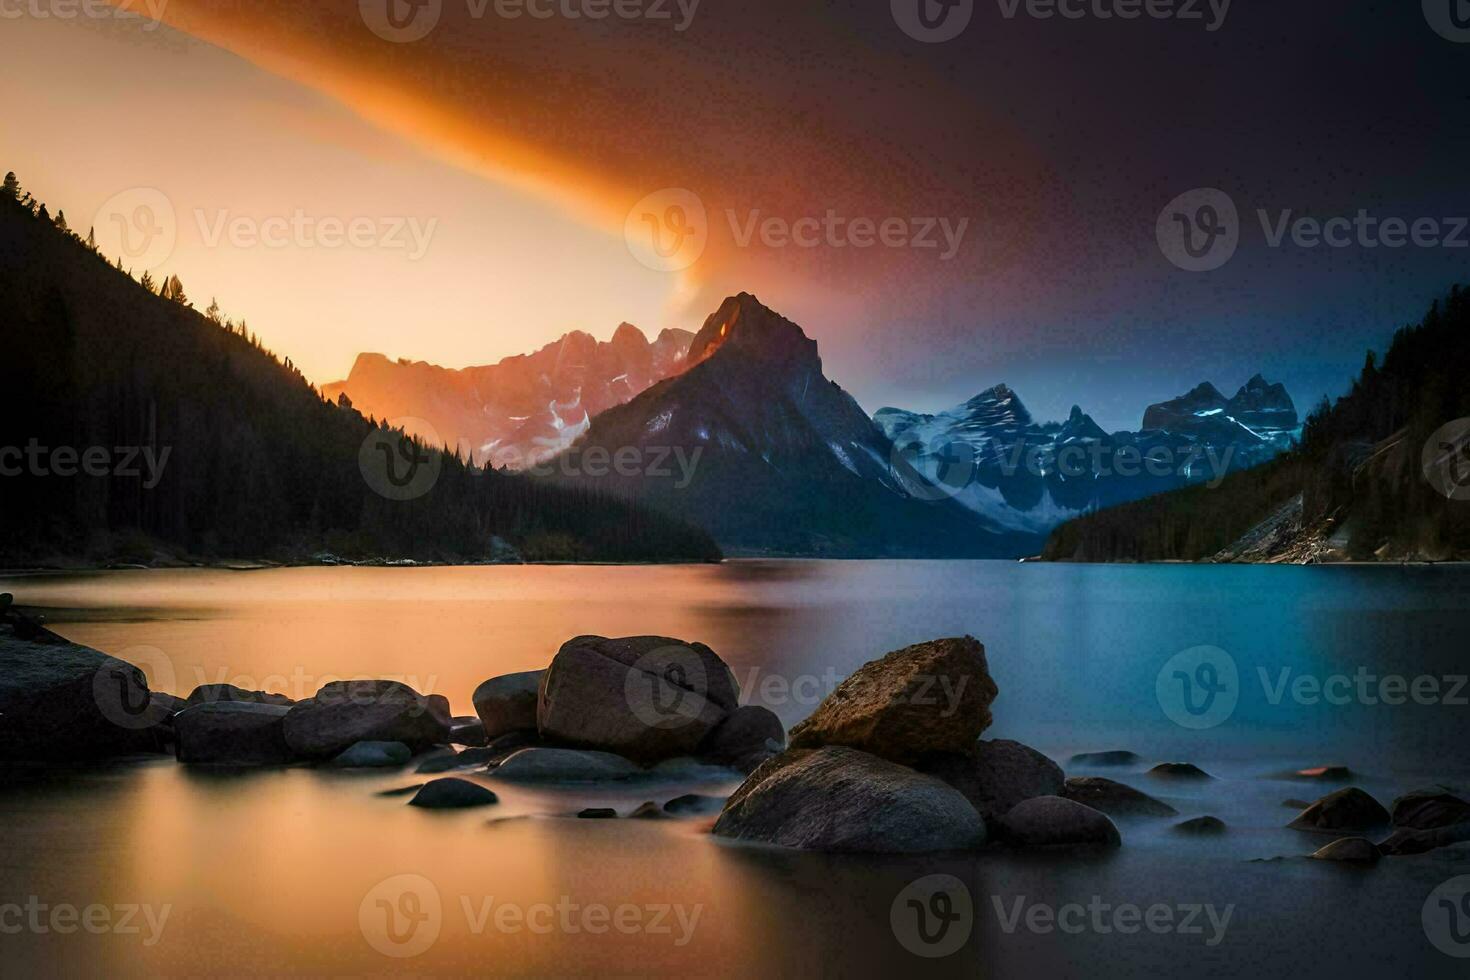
<point>841,799</point>
<point>1347,810</point>
<point>925,699</point>
<point>233,733</point>
<point>508,703</point>
<point>344,712</point>
<point>1051,821</point>
<point>996,775</point>
<point>1114,798</point>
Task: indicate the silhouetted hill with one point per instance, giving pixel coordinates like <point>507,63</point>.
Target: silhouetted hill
<point>1384,473</point>
<point>99,375</point>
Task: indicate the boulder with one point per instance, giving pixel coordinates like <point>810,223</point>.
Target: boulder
<point>748,736</point>
<point>1355,850</point>
<point>564,766</point>
<point>843,800</point>
<point>1427,809</point>
<point>508,703</point>
<point>233,733</point>
<point>1325,774</point>
<point>597,813</point>
<point>996,775</point>
<point>211,693</point>
<point>452,794</point>
<point>59,700</point>
<point>1051,821</point>
<point>1178,770</point>
<point>1115,757</point>
<point>1200,826</point>
<point>449,761</point>
<point>643,697</point>
<point>163,707</point>
<point>468,730</point>
<point>1348,809</point>
<point>925,699</point>
<point>693,803</point>
<point>1114,799</point>
<point>648,811</point>
<point>344,712</point>
<point>1406,840</point>
<point>366,755</point>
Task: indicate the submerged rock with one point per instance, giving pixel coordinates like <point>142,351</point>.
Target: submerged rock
<point>747,737</point>
<point>1356,850</point>
<point>1427,809</point>
<point>1051,821</point>
<point>1201,826</point>
<point>452,793</point>
<point>998,774</point>
<point>344,712</point>
<point>1348,809</point>
<point>840,799</point>
<point>565,766</point>
<point>365,755</point>
<point>1324,773</point>
<point>924,699</point>
<point>597,813</point>
<point>1178,770</point>
<point>693,803</point>
<point>1406,840</point>
<point>508,703</point>
<point>648,811</point>
<point>401,791</point>
<point>233,733</point>
<point>1114,798</point>
<point>1115,757</point>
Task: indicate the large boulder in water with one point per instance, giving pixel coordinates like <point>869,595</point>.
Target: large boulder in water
<point>998,774</point>
<point>1428,809</point>
<point>748,736</point>
<point>643,697</point>
<point>233,733</point>
<point>928,698</point>
<point>841,799</point>
<point>508,703</point>
<point>1051,821</point>
<point>1114,798</point>
<point>60,700</point>
<point>1347,810</point>
<point>344,712</point>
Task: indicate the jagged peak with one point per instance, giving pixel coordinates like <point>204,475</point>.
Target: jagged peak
<point>742,322</point>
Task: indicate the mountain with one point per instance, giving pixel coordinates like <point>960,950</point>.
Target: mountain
<point>755,444</point>
<point>1381,474</point>
<point>141,430</point>
<point>996,460</point>
<point>523,409</point>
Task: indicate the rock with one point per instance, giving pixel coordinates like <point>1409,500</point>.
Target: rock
<point>401,791</point>
<point>163,707</point>
<point>1201,826</point>
<point>233,733</point>
<point>1357,850</point>
<point>1052,821</point>
<point>450,761</point>
<point>564,765</point>
<point>468,730</point>
<point>1295,804</point>
<point>841,799</point>
<point>1325,774</point>
<point>648,811</point>
<point>213,693</point>
<point>1114,799</point>
<point>1427,809</point>
<point>1178,770</point>
<point>747,737</point>
<point>597,813</point>
<point>691,803</point>
<point>996,775</point>
<point>60,700</point>
<point>452,794</point>
<point>642,697</point>
<point>344,712</point>
<point>508,703</point>
<point>365,755</point>
<point>1348,809</point>
<point>1116,757</point>
<point>1406,840</point>
<point>928,698</point>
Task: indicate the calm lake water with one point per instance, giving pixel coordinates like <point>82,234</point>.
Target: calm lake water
<point>277,871</point>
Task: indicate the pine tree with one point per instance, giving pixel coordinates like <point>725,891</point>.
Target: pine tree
<point>92,239</point>
<point>213,312</point>
<point>147,282</point>
<point>61,221</point>
<point>10,190</point>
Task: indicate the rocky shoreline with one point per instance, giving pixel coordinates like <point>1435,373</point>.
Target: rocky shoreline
<point>892,761</point>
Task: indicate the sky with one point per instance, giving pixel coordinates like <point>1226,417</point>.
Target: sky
<point>504,174</point>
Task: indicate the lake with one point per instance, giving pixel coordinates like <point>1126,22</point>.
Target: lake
<point>276,871</point>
